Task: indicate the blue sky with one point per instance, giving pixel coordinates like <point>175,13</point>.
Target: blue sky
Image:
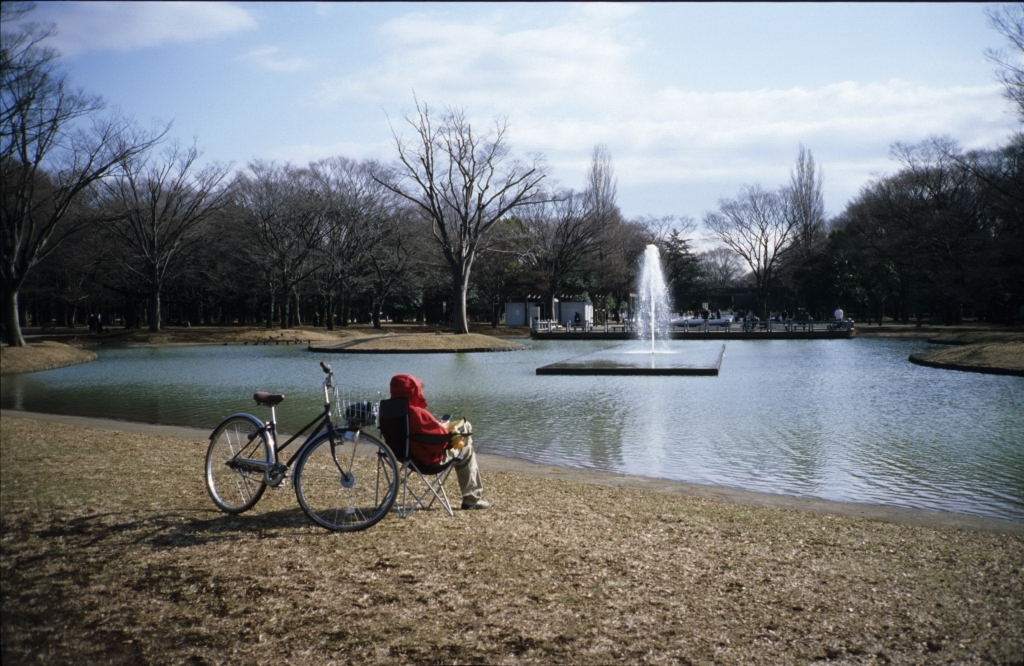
<point>693,100</point>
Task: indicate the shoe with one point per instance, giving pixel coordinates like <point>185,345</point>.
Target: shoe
<point>479,504</point>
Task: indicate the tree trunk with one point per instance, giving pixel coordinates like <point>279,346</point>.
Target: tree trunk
<point>153,318</point>
<point>286,308</point>
<point>330,308</point>
<point>296,318</point>
<point>12,325</point>
<point>460,320</point>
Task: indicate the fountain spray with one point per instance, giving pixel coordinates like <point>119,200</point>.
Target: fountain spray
<point>654,307</point>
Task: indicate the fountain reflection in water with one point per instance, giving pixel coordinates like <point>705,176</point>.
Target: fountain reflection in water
<point>652,354</point>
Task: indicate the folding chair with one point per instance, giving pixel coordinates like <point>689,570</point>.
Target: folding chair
<point>394,426</point>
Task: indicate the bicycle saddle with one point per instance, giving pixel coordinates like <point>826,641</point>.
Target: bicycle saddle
<point>267,399</point>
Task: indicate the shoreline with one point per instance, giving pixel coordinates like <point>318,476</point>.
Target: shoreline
<point>493,462</point>
<point>990,350</point>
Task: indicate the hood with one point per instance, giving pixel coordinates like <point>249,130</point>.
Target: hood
<point>409,387</point>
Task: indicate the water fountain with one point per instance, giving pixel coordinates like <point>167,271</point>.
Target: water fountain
<point>654,308</point>
<point>651,354</point>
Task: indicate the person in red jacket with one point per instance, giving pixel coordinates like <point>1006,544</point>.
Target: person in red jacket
<point>422,422</point>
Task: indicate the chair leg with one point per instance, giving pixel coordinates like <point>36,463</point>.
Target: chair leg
<point>434,491</point>
<point>440,493</point>
<point>402,507</point>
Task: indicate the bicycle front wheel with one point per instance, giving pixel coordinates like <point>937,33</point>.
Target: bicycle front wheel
<point>347,484</point>
<point>235,463</point>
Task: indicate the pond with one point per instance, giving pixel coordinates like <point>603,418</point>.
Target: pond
<point>846,420</point>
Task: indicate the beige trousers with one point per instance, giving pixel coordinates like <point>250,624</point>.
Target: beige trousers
<point>468,473</point>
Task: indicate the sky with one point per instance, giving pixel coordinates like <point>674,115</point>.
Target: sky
<point>693,101</point>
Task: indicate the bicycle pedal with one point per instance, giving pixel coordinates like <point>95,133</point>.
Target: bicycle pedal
<point>277,477</point>
<point>278,481</point>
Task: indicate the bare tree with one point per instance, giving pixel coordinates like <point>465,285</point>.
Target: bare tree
<point>358,215</point>
<point>285,212</point>
<point>462,183</point>
<point>1008,19</point>
<point>756,227</point>
<point>602,188</point>
<point>614,272</point>
<point>562,235</point>
<point>49,159</point>
<point>720,268</point>
<point>388,262</point>
<point>159,206</point>
<point>806,204</point>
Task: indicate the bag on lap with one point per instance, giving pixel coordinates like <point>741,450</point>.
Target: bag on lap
<point>464,433</point>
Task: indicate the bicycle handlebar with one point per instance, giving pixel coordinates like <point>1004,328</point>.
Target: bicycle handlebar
<point>328,380</point>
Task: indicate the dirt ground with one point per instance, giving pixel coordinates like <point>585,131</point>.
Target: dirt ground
<point>112,552</point>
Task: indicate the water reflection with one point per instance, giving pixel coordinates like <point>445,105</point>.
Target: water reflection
<point>847,420</point>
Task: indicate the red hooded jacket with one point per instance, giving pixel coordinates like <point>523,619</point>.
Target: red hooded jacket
<point>421,422</point>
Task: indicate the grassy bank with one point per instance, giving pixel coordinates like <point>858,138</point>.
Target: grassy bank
<point>113,553</point>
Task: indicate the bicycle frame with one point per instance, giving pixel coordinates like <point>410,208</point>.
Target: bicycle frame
<point>274,471</point>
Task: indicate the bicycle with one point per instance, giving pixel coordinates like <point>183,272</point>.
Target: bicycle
<point>345,480</point>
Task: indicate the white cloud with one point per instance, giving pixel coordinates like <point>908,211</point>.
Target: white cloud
<point>672,139</point>
<point>272,59</point>
<point>131,26</point>
<point>742,121</point>
<point>579,76</point>
<point>577,80</point>
<point>490,61</point>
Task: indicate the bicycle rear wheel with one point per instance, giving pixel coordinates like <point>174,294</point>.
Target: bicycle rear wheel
<point>348,484</point>
<point>235,462</point>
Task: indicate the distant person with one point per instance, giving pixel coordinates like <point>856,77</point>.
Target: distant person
<point>422,422</point>
<point>839,314</point>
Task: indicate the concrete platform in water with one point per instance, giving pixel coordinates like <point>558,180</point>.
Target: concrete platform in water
<point>634,361</point>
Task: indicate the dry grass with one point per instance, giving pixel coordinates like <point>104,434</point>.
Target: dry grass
<point>429,342</point>
<point>113,553</point>
<point>45,355</point>
<point>1004,356</point>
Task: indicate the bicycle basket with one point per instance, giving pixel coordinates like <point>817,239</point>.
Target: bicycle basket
<point>359,413</point>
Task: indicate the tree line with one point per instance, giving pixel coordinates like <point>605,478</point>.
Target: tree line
<point>105,221</point>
